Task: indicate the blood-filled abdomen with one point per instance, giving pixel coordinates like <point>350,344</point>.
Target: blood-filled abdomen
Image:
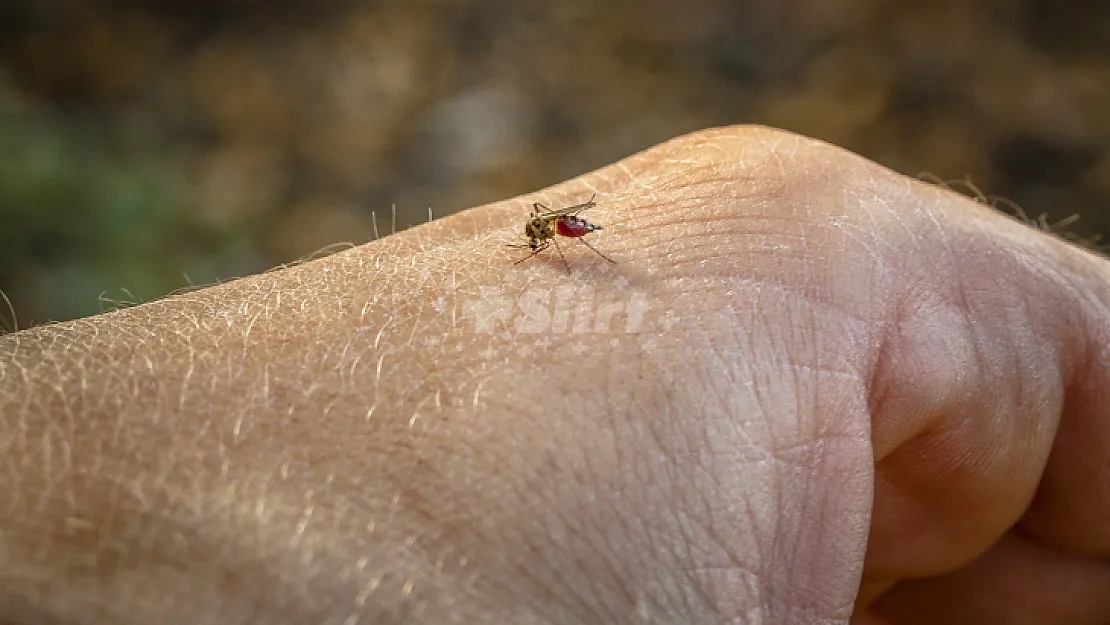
<point>573,227</point>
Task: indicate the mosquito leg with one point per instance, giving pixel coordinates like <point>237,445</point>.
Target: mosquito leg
<point>543,246</point>
<point>587,244</point>
<point>565,263</point>
<point>531,244</point>
<point>534,252</point>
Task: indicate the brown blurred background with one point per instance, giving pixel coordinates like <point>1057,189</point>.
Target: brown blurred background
<point>146,146</point>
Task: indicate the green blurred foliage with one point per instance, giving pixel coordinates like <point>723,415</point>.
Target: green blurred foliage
<point>77,213</point>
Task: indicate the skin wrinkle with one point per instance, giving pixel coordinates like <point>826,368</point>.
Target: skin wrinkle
<point>567,596</point>
<point>773,352</point>
<point>733,566</point>
<point>657,471</point>
<point>597,479</point>
<point>698,447</point>
<point>698,599</point>
<point>765,604</point>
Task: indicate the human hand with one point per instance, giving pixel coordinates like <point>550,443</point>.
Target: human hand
<point>799,346</point>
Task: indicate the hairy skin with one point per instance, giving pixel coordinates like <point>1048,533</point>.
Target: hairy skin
<point>844,381</point>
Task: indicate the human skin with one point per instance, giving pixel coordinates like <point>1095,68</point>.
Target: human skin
<point>845,380</point>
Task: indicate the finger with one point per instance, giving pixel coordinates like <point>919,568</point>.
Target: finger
<point>1017,581</point>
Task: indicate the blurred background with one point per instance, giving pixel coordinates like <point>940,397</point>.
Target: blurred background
<point>146,146</point>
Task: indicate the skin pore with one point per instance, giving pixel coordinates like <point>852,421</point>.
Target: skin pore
<point>819,387</point>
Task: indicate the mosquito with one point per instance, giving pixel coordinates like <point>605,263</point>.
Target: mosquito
<point>545,224</point>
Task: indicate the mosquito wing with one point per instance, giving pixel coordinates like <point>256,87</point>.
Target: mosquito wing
<point>544,212</point>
